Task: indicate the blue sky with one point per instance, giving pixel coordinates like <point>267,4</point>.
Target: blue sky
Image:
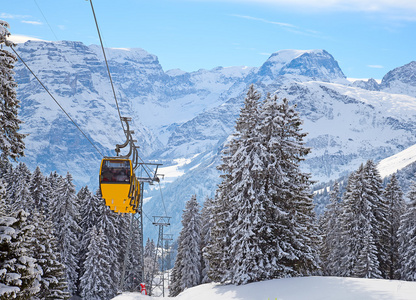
<point>368,38</point>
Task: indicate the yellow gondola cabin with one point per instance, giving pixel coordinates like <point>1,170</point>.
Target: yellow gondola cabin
<point>119,186</point>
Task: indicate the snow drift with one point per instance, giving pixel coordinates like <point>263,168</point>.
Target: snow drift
<point>303,288</point>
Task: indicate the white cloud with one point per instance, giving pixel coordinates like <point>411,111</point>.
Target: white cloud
<point>289,27</point>
<point>32,22</point>
<point>18,38</point>
<point>10,16</point>
<point>343,5</point>
<point>375,66</point>
<point>265,21</point>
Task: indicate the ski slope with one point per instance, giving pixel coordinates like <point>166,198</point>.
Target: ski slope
<point>302,288</point>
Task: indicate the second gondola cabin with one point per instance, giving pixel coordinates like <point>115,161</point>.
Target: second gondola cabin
<point>119,186</point>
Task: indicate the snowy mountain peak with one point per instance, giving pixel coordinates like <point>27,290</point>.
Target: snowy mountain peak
<point>370,85</point>
<point>299,64</point>
<point>123,54</point>
<point>401,80</point>
<point>283,57</point>
<point>405,74</point>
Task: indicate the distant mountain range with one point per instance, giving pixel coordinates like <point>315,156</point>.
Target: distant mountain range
<point>181,115</point>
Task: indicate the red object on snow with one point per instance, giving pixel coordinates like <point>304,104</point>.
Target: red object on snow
<point>143,289</point>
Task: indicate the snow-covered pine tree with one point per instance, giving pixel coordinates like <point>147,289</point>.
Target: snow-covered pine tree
<point>11,141</point>
<point>9,279</point>
<point>45,251</point>
<point>264,225</point>
<point>97,266</point>
<point>122,223</point>
<point>359,251</point>
<point>107,222</point>
<point>407,238</point>
<point>251,223</point>
<point>64,211</point>
<point>330,228</point>
<point>393,195</point>
<point>134,267</point>
<point>380,211</point>
<point>206,218</point>
<point>40,190</point>
<point>176,275</point>
<point>18,183</point>
<point>22,197</point>
<point>3,191</point>
<point>217,250</point>
<point>187,269</point>
<point>291,218</point>
<point>6,169</point>
<point>90,210</point>
<point>19,272</point>
<point>148,258</point>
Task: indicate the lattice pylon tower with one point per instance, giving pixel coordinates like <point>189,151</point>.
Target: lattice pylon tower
<point>167,262</point>
<point>157,287</point>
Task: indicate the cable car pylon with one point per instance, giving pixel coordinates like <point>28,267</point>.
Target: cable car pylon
<point>160,221</point>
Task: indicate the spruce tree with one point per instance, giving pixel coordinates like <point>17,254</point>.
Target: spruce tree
<point>148,259</point>
<point>107,222</point>
<point>134,266</point>
<point>97,266</point>
<point>45,251</point>
<point>90,210</point>
<point>206,219</point>
<point>407,238</point>
<point>393,195</point>
<point>187,269</point>
<point>122,223</point>
<point>175,286</point>
<point>380,210</point>
<point>358,243</point>
<point>217,251</point>
<point>9,279</point>
<point>249,223</point>
<point>331,235</point>
<point>264,225</point>
<point>11,141</point>
<point>293,219</point>
<point>66,218</point>
<point>21,195</point>
<point>19,271</point>
<point>17,183</point>
<point>40,189</point>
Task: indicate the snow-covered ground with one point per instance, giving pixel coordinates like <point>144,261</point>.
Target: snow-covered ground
<point>303,288</point>
<point>391,164</point>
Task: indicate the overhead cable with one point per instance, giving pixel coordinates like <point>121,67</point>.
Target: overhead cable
<point>108,69</point>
